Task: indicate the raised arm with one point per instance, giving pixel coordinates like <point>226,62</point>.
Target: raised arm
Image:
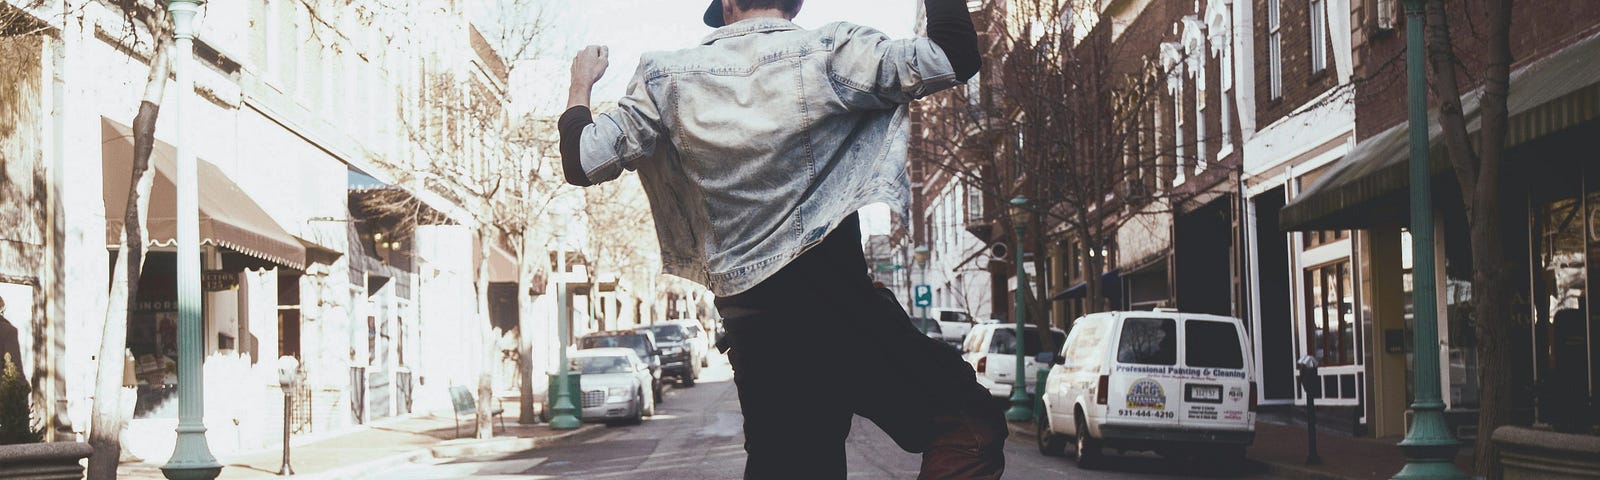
<point>871,71</point>
<point>597,151</point>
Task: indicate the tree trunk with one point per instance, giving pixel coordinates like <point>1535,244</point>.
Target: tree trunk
<point>525,334</point>
<point>1482,191</point>
<point>486,372</point>
<point>106,421</point>
<point>1493,323</point>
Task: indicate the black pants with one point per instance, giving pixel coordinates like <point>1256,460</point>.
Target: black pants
<point>815,344</point>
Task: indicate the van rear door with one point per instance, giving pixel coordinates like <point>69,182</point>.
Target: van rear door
<point>1215,376</point>
<point>1142,389</point>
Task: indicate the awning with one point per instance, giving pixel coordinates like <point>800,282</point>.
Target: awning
<point>1547,96</point>
<point>228,217</point>
<point>502,264</point>
<point>1110,287</point>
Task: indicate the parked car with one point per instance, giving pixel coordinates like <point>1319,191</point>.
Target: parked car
<point>929,327</point>
<point>675,354</point>
<point>641,343</point>
<point>954,323</point>
<point>991,348</point>
<point>699,342</point>
<point>1179,384</point>
<point>613,382</point>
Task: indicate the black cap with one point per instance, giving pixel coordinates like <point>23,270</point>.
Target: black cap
<point>713,16</point>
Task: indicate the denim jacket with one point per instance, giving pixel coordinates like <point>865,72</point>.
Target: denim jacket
<point>752,146</point>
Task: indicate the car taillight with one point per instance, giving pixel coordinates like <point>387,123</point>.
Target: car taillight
<point>1104,390</point>
<point>1252,396</point>
<point>983,364</point>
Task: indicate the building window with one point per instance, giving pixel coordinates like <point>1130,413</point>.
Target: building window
<point>974,205</point>
<point>1319,36</point>
<point>1324,237</point>
<point>1330,322</point>
<point>975,89</point>
<point>1384,18</point>
<point>1274,51</point>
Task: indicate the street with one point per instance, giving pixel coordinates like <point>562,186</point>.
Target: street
<point>696,434</point>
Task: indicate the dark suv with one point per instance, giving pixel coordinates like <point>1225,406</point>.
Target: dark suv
<point>642,343</point>
<point>676,357</point>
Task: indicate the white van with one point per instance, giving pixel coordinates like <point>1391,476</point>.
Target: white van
<point>1179,384</point>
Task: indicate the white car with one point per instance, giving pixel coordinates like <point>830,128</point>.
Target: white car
<point>698,342</point>
<point>614,385</point>
<point>1176,383</point>
<point>991,349</point>
<point>953,324</point>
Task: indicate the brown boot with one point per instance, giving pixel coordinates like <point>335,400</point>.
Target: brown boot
<point>973,447</point>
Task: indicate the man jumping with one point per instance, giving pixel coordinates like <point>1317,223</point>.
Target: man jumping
<point>755,149</point>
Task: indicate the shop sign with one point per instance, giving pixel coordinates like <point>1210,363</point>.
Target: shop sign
<point>219,280</point>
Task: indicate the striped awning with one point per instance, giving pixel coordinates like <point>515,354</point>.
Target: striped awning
<point>1549,95</point>
<point>229,218</point>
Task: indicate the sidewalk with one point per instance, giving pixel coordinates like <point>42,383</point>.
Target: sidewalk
<point>388,444</point>
<point>1280,451</point>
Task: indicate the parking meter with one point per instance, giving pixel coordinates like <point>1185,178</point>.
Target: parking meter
<point>288,377</point>
<point>1311,384</point>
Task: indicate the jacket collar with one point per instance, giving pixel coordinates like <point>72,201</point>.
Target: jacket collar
<point>749,26</point>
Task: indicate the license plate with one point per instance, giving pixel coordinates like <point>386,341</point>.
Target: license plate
<point>1204,393</point>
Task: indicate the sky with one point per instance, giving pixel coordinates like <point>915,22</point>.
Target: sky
<point>631,27</point>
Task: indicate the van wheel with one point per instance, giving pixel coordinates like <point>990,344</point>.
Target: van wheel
<point>1050,443</point>
<point>1088,452</point>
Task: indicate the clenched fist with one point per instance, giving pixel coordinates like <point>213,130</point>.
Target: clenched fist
<point>590,64</point>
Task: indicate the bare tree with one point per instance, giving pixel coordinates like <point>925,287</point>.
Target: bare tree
<point>468,148</point>
<point>622,235</point>
<point>1070,123</point>
<point>1483,189</point>
<point>106,421</point>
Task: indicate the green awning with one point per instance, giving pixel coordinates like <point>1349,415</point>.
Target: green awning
<point>1365,188</point>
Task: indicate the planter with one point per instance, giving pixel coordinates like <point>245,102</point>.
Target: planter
<point>1526,453</point>
<point>44,461</point>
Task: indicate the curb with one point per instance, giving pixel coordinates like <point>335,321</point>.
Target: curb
<point>1275,470</point>
<point>1295,472</point>
<point>474,447</point>
<point>464,448</point>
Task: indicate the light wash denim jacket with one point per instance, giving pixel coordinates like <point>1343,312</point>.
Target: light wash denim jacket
<point>752,146</point>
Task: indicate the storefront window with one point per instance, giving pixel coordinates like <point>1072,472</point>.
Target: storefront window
<point>1565,239</point>
<point>1330,317</point>
<point>1462,338</point>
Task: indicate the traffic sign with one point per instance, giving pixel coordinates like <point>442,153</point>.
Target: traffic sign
<point>923,296</point>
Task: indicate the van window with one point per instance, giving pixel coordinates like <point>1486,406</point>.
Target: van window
<point>1004,341</point>
<point>1148,341</point>
<point>1086,341</point>
<point>1212,344</point>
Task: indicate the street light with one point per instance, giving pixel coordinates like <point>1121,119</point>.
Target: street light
<point>1021,405</point>
<point>191,456</point>
<point>563,412</point>
<point>1429,449</point>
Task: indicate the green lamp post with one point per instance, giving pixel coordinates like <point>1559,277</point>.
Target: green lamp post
<point>564,415</point>
<point>1021,404</point>
<point>191,456</point>
<point>1429,449</point>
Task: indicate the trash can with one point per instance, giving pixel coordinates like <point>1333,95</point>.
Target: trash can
<point>574,393</point>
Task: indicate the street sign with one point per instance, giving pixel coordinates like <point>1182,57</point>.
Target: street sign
<point>923,296</point>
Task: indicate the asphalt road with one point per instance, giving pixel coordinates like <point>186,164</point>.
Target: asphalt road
<point>696,434</point>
